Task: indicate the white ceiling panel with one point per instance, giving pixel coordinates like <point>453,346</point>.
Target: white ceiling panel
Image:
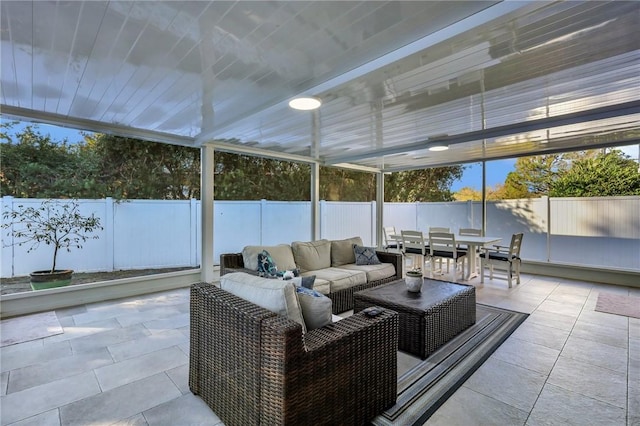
<point>394,76</point>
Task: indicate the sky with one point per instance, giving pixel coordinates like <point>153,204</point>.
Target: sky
<point>496,174</point>
<point>496,170</point>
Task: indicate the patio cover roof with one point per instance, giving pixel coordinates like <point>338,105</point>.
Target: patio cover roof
<point>491,79</point>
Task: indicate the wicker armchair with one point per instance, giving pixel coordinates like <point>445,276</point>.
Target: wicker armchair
<point>252,366</point>
<point>342,299</point>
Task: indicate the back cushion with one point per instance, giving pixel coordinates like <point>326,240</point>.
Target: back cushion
<point>275,295</point>
<point>281,255</point>
<point>342,251</point>
<point>316,308</point>
<point>312,255</point>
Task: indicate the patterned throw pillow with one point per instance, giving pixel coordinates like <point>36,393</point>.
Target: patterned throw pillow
<point>365,255</point>
<point>266,265</point>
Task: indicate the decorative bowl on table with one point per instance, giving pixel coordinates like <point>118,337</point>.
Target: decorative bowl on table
<point>413,280</point>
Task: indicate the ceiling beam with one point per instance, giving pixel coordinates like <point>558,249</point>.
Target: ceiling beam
<point>259,152</point>
<point>24,114</point>
<point>548,151</point>
<point>355,167</point>
<point>601,113</point>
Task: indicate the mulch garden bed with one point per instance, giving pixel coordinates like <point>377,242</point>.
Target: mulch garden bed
<point>21,284</point>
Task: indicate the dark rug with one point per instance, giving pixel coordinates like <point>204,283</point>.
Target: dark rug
<point>425,387</point>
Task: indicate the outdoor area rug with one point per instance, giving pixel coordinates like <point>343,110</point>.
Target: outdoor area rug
<point>425,387</point>
<point>610,303</point>
<point>29,327</point>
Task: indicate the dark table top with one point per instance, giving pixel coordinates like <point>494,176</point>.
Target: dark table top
<point>434,293</point>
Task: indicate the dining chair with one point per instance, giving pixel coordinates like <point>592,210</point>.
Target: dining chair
<point>440,229</point>
<point>391,239</point>
<point>442,245</point>
<point>413,245</point>
<point>509,256</point>
<point>471,232</point>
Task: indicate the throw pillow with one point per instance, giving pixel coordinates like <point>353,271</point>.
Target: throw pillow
<point>306,282</point>
<point>365,255</point>
<point>281,254</point>
<point>287,275</point>
<point>316,308</point>
<point>266,265</point>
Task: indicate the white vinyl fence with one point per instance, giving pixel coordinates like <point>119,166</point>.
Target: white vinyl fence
<point>139,234</point>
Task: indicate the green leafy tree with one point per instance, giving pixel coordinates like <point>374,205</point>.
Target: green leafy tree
<point>534,176</point>
<point>346,185</point>
<point>605,174</point>
<point>34,165</point>
<point>244,177</point>
<point>586,173</point>
<point>498,192</point>
<point>515,188</point>
<point>111,166</point>
<point>131,168</point>
<point>468,194</point>
<point>432,184</point>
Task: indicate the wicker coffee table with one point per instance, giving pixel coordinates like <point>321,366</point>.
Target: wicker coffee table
<point>428,319</point>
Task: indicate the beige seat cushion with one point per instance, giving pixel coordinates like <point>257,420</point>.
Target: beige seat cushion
<point>342,251</point>
<point>374,272</point>
<point>312,255</point>
<point>340,278</point>
<point>275,295</point>
<point>281,255</point>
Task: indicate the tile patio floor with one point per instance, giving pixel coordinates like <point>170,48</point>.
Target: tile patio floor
<point>125,362</point>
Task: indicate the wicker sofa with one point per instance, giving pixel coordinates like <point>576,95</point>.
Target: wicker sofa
<point>332,262</point>
<point>253,366</point>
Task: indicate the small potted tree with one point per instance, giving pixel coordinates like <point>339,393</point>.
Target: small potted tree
<point>56,223</point>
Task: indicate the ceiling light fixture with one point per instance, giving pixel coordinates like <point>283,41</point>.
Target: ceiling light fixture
<point>305,103</point>
<point>439,146</point>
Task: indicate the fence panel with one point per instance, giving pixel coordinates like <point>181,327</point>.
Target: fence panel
<point>598,231</point>
<point>236,224</point>
<point>401,215</point>
<point>347,219</point>
<point>152,234</point>
<point>596,217</point>
<point>603,232</point>
<point>453,215</point>
<point>284,222</point>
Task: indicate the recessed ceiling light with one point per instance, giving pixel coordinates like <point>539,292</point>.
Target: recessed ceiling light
<point>439,146</point>
<point>305,104</point>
